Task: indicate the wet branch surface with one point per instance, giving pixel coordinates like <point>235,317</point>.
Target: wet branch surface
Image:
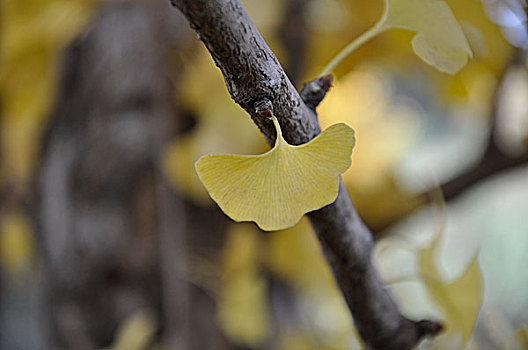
<point>253,75</point>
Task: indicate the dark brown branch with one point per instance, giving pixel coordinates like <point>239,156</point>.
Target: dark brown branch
<point>253,74</point>
<point>487,167</point>
<point>315,91</point>
<point>251,71</point>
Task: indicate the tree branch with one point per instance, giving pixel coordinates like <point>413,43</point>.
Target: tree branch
<point>492,161</point>
<point>251,71</point>
<point>252,75</point>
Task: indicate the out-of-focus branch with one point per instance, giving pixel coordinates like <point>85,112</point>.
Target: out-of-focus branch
<point>292,32</point>
<point>489,165</point>
<point>492,161</point>
<point>252,75</point>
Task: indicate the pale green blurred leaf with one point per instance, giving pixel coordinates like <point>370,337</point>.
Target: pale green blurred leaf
<point>439,39</point>
<point>461,299</point>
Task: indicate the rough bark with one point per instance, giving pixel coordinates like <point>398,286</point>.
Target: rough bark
<point>247,64</point>
<point>252,75</point>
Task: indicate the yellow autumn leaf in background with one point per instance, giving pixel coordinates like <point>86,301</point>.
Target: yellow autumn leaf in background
<point>16,242</point>
<point>475,85</point>
<point>460,300</point>
<point>277,188</point>
<point>295,256</point>
<point>439,39</point>
<point>33,34</point>
<point>386,127</point>
<point>136,332</point>
<point>243,310</point>
<point>522,336</point>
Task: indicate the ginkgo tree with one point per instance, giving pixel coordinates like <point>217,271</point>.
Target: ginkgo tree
<point>276,188</point>
<point>299,174</point>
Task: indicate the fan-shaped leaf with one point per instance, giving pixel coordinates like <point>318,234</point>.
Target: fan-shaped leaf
<point>277,188</point>
<point>439,41</point>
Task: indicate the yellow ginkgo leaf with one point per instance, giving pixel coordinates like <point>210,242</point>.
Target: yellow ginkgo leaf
<point>439,39</point>
<point>460,300</point>
<point>277,188</point>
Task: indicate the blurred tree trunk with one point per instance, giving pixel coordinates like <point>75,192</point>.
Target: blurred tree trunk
<point>111,231</point>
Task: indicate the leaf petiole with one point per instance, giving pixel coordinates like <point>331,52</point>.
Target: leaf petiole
<point>360,40</point>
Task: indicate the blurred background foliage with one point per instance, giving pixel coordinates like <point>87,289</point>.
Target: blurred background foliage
<point>417,129</point>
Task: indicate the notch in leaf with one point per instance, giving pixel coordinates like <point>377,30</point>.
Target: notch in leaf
<point>277,188</point>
